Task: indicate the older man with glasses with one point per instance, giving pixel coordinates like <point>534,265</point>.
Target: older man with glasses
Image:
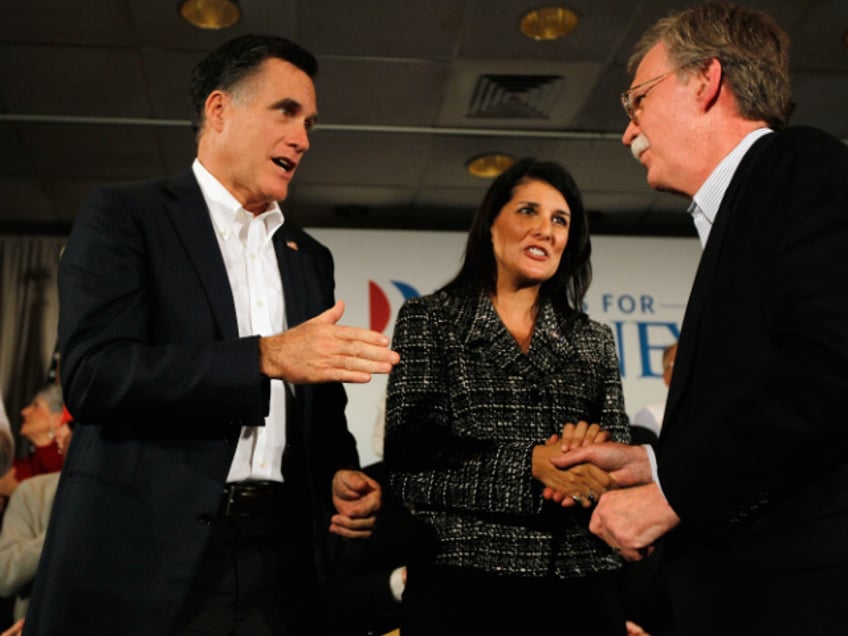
<point>748,490</point>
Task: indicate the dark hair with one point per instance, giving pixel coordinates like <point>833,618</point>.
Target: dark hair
<point>752,48</point>
<point>234,61</point>
<point>478,272</point>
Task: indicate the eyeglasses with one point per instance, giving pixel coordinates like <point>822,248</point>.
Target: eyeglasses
<point>631,104</point>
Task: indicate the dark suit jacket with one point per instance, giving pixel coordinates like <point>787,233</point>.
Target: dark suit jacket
<point>753,456</point>
<point>362,567</point>
<point>160,384</point>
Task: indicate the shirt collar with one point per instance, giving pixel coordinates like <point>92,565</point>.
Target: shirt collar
<point>226,212</point>
<point>709,195</point>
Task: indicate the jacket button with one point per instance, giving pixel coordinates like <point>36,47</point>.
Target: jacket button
<point>206,519</point>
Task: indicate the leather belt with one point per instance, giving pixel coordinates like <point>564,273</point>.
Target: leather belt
<point>252,499</point>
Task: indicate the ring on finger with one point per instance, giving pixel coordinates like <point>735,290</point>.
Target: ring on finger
<point>591,495</point>
<point>577,498</point>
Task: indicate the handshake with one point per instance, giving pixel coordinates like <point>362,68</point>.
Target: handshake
<point>582,467</point>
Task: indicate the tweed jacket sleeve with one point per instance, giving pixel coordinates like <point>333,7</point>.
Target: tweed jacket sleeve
<point>465,407</point>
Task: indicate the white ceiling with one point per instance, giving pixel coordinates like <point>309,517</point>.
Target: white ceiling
<point>95,92</point>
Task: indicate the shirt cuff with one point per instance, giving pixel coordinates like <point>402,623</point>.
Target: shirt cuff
<point>396,583</point>
<point>655,475</point>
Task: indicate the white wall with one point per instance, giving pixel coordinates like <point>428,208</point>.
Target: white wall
<point>640,287</point>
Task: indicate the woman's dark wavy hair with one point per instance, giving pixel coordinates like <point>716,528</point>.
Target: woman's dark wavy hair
<point>237,59</point>
<point>568,286</point>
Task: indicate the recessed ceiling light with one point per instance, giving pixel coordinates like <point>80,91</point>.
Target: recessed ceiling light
<point>488,165</point>
<point>548,23</point>
<point>210,14</point>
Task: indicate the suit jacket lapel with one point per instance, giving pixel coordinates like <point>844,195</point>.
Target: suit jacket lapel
<point>290,260</point>
<point>697,301</point>
<point>689,333</point>
<point>297,276</point>
<point>479,326</point>
<point>188,212</point>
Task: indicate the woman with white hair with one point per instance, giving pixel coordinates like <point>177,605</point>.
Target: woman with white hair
<point>44,425</point>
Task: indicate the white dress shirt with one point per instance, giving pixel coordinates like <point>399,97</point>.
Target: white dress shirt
<point>254,275</point>
<point>650,417</point>
<point>704,207</point>
<point>707,199</point>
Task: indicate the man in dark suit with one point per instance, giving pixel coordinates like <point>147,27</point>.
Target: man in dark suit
<point>369,575</point>
<point>749,492</point>
<point>202,360</point>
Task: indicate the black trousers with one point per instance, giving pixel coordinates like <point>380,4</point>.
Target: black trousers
<point>803,603</point>
<point>459,601</point>
<point>256,578</point>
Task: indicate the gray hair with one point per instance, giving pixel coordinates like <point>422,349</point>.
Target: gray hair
<point>52,394</point>
<point>752,49</point>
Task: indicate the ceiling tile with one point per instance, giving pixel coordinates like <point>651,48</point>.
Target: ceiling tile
<point>159,25</point>
<point>382,28</point>
<point>168,75</point>
<point>15,160</point>
<point>73,80</point>
<point>106,152</point>
<point>27,198</point>
<point>826,105</point>
<point>576,80</point>
<point>384,92</point>
<point>97,22</point>
<point>446,164</point>
<point>394,89</point>
<point>364,158</point>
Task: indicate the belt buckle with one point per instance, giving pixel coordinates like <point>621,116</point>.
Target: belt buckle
<point>231,497</point>
<point>247,499</point>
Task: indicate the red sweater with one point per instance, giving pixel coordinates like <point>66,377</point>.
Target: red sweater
<point>44,459</point>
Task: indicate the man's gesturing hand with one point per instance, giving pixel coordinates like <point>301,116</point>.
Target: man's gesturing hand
<point>319,350</point>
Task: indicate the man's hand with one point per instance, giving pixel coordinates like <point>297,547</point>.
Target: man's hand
<point>634,629</point>
<point>630,520</point>
<point>319,350</point>
<point>627,465</point>
<point>357,499</point>
<point>582,484</point>
<point>15,630</point>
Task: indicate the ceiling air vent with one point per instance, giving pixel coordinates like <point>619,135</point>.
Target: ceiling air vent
<point>515,96</point>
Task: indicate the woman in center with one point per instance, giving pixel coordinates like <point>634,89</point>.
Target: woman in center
<point>493,366</point>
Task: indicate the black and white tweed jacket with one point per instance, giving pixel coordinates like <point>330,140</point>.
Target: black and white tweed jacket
<point>464,409</point>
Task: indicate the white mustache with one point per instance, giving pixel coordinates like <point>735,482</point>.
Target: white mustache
<point>639,145</point>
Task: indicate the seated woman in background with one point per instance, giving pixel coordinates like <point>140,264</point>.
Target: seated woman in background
<point>492,367</point>
<point>44,423</point>
<point>27,514</point>
<point>22,537</point>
